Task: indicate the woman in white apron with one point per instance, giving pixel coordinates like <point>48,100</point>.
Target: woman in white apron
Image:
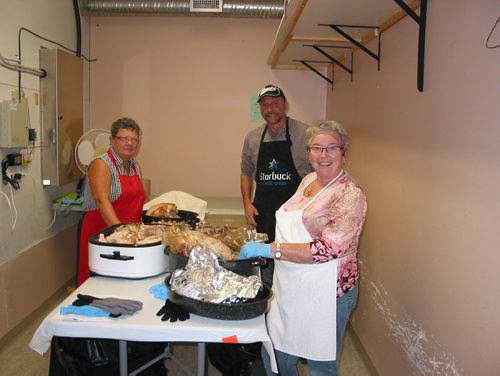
<point>315,253</point>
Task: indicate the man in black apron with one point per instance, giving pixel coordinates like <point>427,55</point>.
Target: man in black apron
<point>276,160</point>
<point>275,155</point>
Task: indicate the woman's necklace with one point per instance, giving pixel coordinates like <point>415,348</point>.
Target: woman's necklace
<point>310,189</point>
<point>315,186</point>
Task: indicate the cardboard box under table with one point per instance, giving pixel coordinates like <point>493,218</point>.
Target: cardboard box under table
<point>145,326</point>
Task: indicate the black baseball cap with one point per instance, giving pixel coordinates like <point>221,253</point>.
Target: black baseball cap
<point>271,91</point>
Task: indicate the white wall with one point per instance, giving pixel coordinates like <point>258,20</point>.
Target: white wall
<point>430,165</point>
<point>53,20</point>
<point>35,261</point>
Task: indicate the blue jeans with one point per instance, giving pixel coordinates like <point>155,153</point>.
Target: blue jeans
<point>287,364</point>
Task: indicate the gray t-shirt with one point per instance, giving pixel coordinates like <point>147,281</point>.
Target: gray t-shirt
<point>299,151</point>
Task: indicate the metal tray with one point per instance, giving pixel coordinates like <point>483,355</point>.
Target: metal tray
<point>243,311</point>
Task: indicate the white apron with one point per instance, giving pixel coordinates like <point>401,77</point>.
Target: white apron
<point>302,320</point>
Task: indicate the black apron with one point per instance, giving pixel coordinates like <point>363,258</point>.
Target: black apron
<point>276,180</point>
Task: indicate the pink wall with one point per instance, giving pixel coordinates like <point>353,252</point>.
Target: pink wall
<point>430,164</point>
<point>188,81</point>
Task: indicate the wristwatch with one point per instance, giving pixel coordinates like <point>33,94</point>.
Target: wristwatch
<point>277,252</point>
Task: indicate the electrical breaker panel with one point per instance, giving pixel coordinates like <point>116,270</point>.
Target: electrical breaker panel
<point>14,124</point>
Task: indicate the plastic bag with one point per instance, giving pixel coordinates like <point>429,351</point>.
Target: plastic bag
<point>234,237</point>
<point>100,357</point>
<point>181,241</point>
<point>234,360</point>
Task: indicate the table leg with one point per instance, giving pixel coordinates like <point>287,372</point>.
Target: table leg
<point>123,357</point>
<point>201,358</point>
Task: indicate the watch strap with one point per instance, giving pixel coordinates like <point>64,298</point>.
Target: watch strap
<point>277,252</point>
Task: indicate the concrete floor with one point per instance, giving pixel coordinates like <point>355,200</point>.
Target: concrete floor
<point>17,359</point>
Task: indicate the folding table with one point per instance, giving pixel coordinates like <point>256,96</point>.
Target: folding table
<point>145,326</point>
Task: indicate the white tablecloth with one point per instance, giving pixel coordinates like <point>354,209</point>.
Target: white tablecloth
<point>144,325</point>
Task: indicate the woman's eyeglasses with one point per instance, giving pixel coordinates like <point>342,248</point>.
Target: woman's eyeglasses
<point>329,149</point>
<point>124,140</point>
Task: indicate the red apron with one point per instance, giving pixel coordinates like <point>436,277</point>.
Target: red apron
<point>128,208</point>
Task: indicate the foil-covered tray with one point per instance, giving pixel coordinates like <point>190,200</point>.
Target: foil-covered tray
<point>243,311</point>
<point>208,289</point>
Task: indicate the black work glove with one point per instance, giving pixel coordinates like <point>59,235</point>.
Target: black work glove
<point>173,312</point>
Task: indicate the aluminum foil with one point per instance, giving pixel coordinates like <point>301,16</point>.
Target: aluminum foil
<point>204,279</point>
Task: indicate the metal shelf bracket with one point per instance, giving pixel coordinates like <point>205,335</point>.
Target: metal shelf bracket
<point>321,50</point>
<point>306,63</point>
<point>421,21</point>
<point>376,30</point>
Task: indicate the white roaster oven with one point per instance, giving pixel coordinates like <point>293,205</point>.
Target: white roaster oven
<point>126,260</point>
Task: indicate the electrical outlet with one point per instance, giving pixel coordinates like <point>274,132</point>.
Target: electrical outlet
<point>26,160</point>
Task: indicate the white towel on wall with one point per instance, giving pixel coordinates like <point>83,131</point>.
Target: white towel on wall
<point>183,200</point>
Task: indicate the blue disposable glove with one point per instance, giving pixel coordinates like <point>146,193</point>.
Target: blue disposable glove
<point>159,291</point>
<point>254,249</point>
<point>83,311</point>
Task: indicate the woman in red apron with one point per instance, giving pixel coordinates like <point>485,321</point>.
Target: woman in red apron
<point>113,189</point>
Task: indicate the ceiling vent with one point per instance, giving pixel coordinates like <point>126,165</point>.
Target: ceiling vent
<point>205,6</point>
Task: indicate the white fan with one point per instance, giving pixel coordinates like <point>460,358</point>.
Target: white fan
<point>89,146</point>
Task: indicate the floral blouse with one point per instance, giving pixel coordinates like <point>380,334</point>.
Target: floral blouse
<point>334,219</point>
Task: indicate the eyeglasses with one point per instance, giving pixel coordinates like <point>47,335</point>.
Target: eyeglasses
<point>329,149</point>
<point>124,139</point>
